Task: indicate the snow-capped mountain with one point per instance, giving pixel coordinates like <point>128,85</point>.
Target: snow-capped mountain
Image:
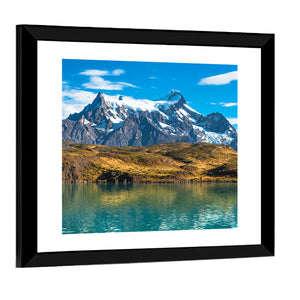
<point>125,121</point>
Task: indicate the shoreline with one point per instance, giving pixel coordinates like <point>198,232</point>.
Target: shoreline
<point>151,182</point>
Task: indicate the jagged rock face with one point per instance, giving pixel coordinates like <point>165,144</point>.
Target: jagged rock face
<point>124,121</point>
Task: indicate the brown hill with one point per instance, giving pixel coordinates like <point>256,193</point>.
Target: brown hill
<point>170,162</point>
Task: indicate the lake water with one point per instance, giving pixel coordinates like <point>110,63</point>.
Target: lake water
<point>92,207</point>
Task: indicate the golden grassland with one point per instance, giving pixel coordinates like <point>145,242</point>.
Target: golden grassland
<point>170,162</point>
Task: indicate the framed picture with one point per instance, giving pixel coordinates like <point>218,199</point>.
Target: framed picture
<point>139,145</point>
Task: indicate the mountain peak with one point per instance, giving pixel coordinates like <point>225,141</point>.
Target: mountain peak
<point>174,95</point>
<point>97,101</point>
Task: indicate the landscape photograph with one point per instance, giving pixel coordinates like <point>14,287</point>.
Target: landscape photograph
<point>148,146</point>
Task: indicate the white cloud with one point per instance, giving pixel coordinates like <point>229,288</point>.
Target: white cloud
<point>78,96</point>
<point>233,121</point>
<point>225,104</point>
<point>127,84</point>
<point>95,73</point>
<point>75,100</point>
<point>98,83</point>
<point>219,79</point>
<point>152,77</point>
<point>230,104</point>
<point>68,109</point>
<point>117,72</point>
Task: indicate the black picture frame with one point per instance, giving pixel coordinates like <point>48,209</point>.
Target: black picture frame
<point>27,153</point>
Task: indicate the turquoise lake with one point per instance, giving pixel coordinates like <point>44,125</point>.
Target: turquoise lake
<point>99,208</point>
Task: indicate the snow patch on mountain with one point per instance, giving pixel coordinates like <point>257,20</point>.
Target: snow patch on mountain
<point>136,104</point>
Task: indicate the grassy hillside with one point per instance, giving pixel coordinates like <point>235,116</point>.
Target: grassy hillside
<point>171,162</point>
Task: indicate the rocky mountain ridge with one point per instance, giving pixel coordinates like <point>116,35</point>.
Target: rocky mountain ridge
<point>124,121</point>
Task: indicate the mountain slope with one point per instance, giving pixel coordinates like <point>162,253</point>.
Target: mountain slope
<point>168,162</point>
<point>125,121</point>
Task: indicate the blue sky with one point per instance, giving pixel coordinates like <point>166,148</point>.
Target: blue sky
<point>207,88</point>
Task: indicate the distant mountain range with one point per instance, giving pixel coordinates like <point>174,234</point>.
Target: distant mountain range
<point>125,121</point>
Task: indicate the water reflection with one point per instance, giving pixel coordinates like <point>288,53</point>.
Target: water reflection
<point>90,208</point>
